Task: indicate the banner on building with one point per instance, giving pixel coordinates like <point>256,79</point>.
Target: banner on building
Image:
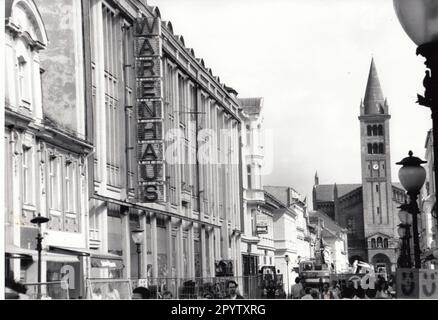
<point>149,106</point>
<point>417,284</point>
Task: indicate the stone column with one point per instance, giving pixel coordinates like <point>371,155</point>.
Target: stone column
<point>154,248</point>
<point>126,238</point>
<point>144,250</point>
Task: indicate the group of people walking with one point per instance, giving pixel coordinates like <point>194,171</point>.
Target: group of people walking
<point>342,289</point>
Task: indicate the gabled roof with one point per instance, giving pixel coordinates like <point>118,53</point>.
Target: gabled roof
<point>324,192</point>
<point>329,223</point>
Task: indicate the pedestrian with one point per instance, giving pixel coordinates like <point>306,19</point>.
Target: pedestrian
<point>308,294</point>
<point>113,293</point>
<point>335,289</point>
<point>314,294</point>
<point>297,290</point>
<point>382,291</point>
<point>326,293</point>
<point>270,290</point>
<point>232,291</point>
<point>167,295</point>
<point>141,293</point>
<point>97,294</point>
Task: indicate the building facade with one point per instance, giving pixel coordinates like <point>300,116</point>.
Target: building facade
<point>368,210</point>
<point>166,133</point>
<point>257,243</point>
<point>428,225</point>
<point>45,157</point>
<point>130,131</point>
<point>334,240</point>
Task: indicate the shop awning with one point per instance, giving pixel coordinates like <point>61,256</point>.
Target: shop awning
<point>15,252</point>
<point>71,251</point>
<point>110,261</point>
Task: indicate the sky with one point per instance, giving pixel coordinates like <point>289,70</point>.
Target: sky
<point>310,61</point>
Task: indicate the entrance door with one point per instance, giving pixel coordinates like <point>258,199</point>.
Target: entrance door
<point>250,268</point>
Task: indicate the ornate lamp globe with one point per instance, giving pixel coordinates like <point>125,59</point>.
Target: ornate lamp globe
<point>137,236</point>
<point>412,175</point>
<point>419,19</point>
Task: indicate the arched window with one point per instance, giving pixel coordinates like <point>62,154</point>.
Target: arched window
<point>369,131</point>
<point>370,148</point>
<point>381,148</point>
<point>374,130</point>
<point>379,242</point>
<point>380,130</point>
<point>249,174</point>
<point>375,148</point>
<point>351,225</point>
<point>385,243</point>
<point>373,243</point>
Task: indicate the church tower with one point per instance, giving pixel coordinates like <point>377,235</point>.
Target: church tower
<point>377,187</point>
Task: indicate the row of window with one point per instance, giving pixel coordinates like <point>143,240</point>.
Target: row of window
<point>375,130</point>
<point>61,185</point>
<point>376,148</point>
<point>379,242</point>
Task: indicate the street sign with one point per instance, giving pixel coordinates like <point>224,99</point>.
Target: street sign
<point>417,284</point>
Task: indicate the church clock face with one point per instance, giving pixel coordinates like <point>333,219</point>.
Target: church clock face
<point>376,166</point>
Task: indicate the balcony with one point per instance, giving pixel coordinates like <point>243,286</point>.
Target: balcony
<point>94,239</point>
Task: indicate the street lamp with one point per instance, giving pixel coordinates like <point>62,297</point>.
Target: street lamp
<point>404,234</point>
<point>287,259</point>
<point>420,21</point>
<point>38,220</point>
<point>137,237</point>
<point>412,176</point>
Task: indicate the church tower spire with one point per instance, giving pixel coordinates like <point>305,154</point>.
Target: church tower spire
<point>378,209</point>
<point>374,101</point>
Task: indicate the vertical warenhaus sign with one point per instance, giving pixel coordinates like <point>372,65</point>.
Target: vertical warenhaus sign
<point>148,68</point>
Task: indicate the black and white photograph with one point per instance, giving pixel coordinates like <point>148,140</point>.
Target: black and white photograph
<point>220,150</point>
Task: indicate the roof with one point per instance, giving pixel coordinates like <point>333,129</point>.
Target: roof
<point>324,192</point>
<point>281,193</point>
<point>374,101</point>
<point>329,223</point>
<point>251,106</point>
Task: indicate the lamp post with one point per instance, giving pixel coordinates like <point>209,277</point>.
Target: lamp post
<point>405,236</point>
<point>420,21</point>
<point>137,237</point>
<point>287,259</point>
<point>38,220</point>
<point>412,176</point>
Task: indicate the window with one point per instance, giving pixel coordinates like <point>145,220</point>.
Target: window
<point>378,210</point>
<point>28,181</point>
<point>385,243</point>
<point>373,243</point>
<point>54,183</point>
<point>254,222</point>
<point>249,172</point>
<point>22,77</point>
<point>114,123</point>
<point>377,188</point>
<point>381,148</point>
<point>70,187</point>
<point>369,131</point>
<point>375,148</point>
<point>375,131</point>
<point>379,242</point>
<point>248,135</point>
<point>370,148</point>
<point>351,225</point>
<point>380,130</point>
